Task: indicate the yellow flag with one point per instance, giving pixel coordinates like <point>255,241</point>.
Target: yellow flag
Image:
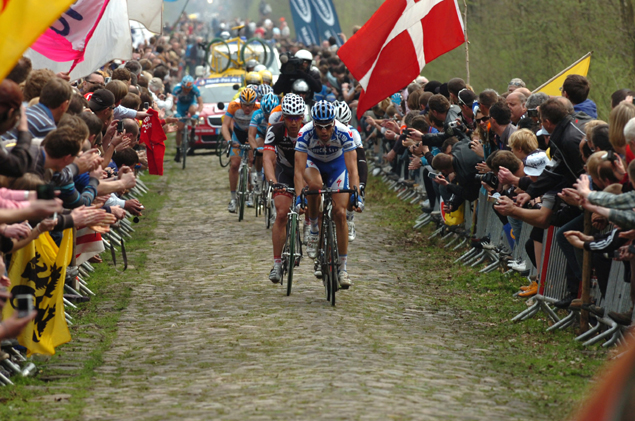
<point>553,85</point>
<point>39,269</point>
<point>21,23</point>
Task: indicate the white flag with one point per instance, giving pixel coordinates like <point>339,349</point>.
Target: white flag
<point>147,12</point>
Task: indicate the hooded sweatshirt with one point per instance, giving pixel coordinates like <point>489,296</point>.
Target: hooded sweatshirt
<point>588,107</point>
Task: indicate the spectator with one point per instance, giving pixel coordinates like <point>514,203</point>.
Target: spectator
<point>500,119</point>
<point>576,89</point>
<point>516,103</point>
<point>16,162</point>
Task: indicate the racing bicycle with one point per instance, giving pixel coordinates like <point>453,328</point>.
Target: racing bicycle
<point>188,136</point>
<point>328,255</point>
<point>292,250</point>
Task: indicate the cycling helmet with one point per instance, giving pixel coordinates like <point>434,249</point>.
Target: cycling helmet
<point>259,68</point>
<point>266,76</point>
<point>254,87</point>
<point>187,82</point>
<point>248,96</point>
<point>304,55</point>
<point>300,87</point>
<point>342,112</point>
<point>253,78</point>
<point>225,35</point>
<point>264,90</point>
<point>269,102</point>
<point>323,111</point>
<point>293,104</point>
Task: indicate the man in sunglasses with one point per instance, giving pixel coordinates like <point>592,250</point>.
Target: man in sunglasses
<point>325,155</point>
<point>278,162</point>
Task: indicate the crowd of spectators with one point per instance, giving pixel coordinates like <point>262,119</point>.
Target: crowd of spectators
<point>71,150</point>
<point>542,161</point>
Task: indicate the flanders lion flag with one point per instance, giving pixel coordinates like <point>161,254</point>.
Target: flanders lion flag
<point>39,269</point>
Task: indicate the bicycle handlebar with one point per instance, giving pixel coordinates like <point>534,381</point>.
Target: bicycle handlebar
<point>282,186</point>
<point>329,191</point>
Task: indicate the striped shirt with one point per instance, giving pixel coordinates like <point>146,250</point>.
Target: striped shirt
<point>40,121</point>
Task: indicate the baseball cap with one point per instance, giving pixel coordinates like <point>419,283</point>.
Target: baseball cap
<point>101,99</point>
<point>536,163</point>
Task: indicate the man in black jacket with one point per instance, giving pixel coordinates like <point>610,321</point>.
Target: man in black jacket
<point>284,84</point>
<point>462,162</point>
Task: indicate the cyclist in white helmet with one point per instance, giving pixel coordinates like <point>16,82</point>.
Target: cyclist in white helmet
<point>278,161</point>
<point>343,115</point>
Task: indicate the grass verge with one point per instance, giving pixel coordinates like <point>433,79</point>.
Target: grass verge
<point>65,380</point>
<point>549,369</point>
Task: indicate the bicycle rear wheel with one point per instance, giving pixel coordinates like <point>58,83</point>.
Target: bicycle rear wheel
<point>242,192</point>
<point>291,236</point>
<point>223,153</point>
<point>268,206</point>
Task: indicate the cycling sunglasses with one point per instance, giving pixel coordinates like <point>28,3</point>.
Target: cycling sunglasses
<point>293,118</point>
<point>324,126</point>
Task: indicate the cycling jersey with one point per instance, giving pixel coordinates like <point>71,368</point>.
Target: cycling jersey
<point>357,138</point>
<point>241,120</point>
<point>259,121</point>
<point>279,141</point>
<point>309,142</point>
<point>185,99</point>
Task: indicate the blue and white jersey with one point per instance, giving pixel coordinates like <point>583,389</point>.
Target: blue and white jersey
<point>357,138</point>
<point>341,141</point>
<point>259,121</point>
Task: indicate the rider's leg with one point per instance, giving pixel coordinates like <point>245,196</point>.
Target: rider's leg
<point>340,202</point>
<point>179,133</point>
<point>234,164</point>
<point>279,230</point>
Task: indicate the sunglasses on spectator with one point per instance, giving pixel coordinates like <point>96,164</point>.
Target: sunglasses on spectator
<point>293,118</point>
<point>482,119</point>
<point>324,126</point>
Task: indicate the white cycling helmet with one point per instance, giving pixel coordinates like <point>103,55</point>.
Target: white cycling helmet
<point>304,55</point>
<point>293,104</point>
<point>300,87</point>
<point>342,112</point>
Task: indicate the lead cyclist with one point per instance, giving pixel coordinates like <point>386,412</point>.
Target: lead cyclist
<point>325,154</point>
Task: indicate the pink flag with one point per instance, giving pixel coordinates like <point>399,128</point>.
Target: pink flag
<point>390,50</point>
<point>67,38</point>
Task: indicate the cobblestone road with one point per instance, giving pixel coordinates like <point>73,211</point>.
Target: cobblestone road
<point>207,336</point>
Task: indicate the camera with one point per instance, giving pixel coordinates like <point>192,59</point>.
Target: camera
<point>120,126</point>
<point>146,105</point>
<point>432,175</point>
<point>25,305</point>
<point>532,112</point>
<point>455,128</point>
<point>489,178</point>
<point>290,64</point>
<point>45,192</point>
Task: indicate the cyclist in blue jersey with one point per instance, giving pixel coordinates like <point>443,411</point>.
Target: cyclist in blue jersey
<point>258,129</point>
<point>188,101</point>
<point>325,154</point>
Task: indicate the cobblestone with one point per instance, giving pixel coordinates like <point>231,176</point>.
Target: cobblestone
<point>207,336</point>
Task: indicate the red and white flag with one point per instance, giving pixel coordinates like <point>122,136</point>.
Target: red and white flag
<point>390,50</point>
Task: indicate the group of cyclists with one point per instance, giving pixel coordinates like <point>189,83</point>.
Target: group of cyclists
<point>293,146</point>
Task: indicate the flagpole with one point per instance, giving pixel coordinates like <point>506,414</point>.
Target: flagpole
<point>181,14</point>
<point>561,73</point>
<point>467,42</point>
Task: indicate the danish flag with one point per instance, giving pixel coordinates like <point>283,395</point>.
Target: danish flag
<point>392,48</point>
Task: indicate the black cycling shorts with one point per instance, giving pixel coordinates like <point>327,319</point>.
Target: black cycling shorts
<point>284,175</point>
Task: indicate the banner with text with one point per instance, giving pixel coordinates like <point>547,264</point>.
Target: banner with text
<point>325,16</point>
<point>304,22</point>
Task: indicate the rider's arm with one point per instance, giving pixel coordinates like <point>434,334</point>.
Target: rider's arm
<point>252,137</point>
<point>226,128</point>
<point>350,158</point>
<point>300,165</point>
<point>269,163</point>
<point>200,105</point>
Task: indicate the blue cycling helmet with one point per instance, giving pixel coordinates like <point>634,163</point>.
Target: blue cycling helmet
<point>264,90</point>
<point>323,111</point>
<point>187,82</point>
<point>269,102</point>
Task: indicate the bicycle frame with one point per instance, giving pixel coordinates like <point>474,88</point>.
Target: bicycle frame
<point>292,249</point>
<point>243,180</point>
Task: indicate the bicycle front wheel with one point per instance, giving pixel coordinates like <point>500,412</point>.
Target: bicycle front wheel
<point>242,192</point>
<point>223,153</point>
<point>291,235</point>
<point>333,260</point>
<point>184,143</point>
